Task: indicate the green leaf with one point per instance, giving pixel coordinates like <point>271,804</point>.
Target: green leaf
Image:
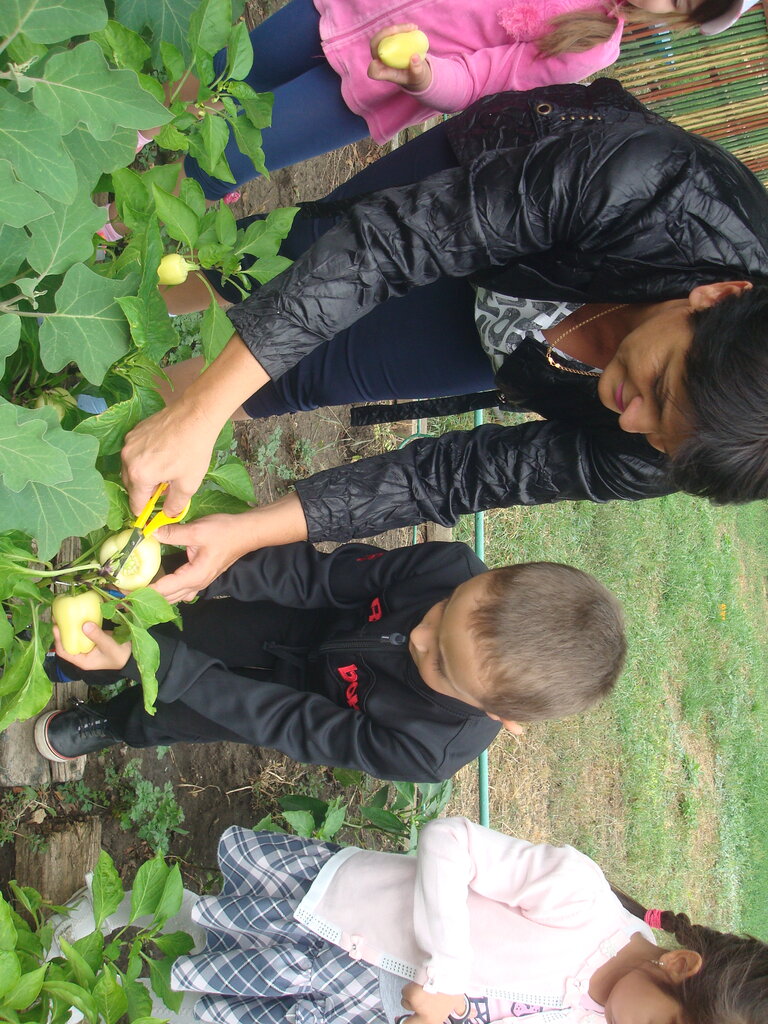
<point>146,312</point>
<point>94,157</point>
<point>8,933</point>
<point>171,138</point>
<point>79,86</point>
<point>131,196</point>
<point>51,21</point>
<point>380,797</point>
<point>107,889</point>
<point>10,332</point>
<point>174,944</point>
<point>210,25</point>
<point>84,974</point>
<point>111,426</point>
<point>348,777</point>
<point>167,21</point>
<point>334,820</point>
<point>181,222</point>
<point>257,106</point>
<point>384,820</point>
<point>139,1000</point>
<point>214,133</point>
<point>302,822</point>
<point>33,145</point>
<point>88,326</point>
<point>239,52</point>
<point>64,235</point>
<point>72,995</point>
<point>19,204</point>
<point>160,979</point>
<point>122,46</point>
<point>148,887</point>
<point>109,996</point>
<point>147,655</point>
<point>281,220</point>
<point>149,608</point>
<point>295,802</point>
<point>24,688</point>
<point>233,478</point>
<point>192,194</point>
<point>216,330</point>
<point>226,226</point>
<point>25,455</point>
<point>26,990</point>
<point>91,949</point>
<point>6,634</point>
<point>268,267</point>
<point>13,249</point>
<point>173,60</point>
<point>249,141</point>
<point>208,503</point>
<point>171,899</point>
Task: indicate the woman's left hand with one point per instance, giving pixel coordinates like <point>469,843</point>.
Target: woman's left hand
<point>430,1007</point>
<point>415,78</point>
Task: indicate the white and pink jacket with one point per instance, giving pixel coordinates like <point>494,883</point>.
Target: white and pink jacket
<point>476,48</point>
<point>475,911</point>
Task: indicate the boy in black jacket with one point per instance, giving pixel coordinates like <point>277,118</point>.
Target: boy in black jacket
<point>401,663</point>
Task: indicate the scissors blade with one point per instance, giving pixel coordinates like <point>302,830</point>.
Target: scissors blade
<point>115,562</point>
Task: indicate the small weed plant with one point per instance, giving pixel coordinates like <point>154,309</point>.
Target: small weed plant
<point>152,812</point>
<point>396,810</point>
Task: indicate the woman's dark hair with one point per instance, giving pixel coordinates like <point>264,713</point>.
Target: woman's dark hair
<point>732,985</point>
<point>726,379</point>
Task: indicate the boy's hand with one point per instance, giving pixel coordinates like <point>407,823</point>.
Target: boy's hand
<point>415,78</point>
<point>430,1007</point>
<point>108,654</point>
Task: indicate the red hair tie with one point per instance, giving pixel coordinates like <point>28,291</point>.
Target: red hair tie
<point>653,918</point>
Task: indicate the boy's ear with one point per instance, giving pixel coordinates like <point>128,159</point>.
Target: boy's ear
<point>508,723</point>
<point>679,964</point>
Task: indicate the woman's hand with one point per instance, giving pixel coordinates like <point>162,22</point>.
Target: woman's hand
<point>430,1007</point>
<point>415,78</point>
<point>108,654</point>
<point>174,445</point>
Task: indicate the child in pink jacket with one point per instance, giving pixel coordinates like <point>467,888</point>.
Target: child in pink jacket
<point>318,58</point>
<point>478,927</point>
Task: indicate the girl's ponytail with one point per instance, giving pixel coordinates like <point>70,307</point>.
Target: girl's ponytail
<point>732,985</point>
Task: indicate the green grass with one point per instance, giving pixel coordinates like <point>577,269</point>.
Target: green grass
<point>681,820</point>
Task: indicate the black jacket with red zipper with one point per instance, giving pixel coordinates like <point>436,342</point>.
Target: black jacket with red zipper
<point>352,697</point>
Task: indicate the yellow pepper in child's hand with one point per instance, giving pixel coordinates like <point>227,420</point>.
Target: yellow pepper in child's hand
<point>396,51</point>
<point>70,612</point>
<point>174,269</point>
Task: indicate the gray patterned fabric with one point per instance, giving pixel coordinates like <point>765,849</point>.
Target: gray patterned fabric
<point>260,966</point>
<point>504,320</point>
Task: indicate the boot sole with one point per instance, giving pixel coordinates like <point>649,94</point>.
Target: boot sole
<point>41,739</point>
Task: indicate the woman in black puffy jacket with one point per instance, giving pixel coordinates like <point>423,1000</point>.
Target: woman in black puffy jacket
<point>614,267</point>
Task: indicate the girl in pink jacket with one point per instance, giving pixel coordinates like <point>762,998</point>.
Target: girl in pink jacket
<point>478,928</point>
<point>318,58</point>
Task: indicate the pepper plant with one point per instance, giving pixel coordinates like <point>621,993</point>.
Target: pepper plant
<point>102,977</point>
<point>79,318</point>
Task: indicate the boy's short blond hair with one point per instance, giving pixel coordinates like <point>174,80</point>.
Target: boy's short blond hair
<point>550,638</point>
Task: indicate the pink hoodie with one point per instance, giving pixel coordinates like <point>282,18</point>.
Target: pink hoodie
<point>476,48</point>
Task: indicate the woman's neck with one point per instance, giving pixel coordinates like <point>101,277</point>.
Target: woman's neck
<point>637,952</point>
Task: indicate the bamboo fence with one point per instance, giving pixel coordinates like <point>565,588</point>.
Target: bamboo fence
<point>715,86</point>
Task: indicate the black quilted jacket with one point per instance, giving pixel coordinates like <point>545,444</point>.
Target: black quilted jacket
<point>567,192</point>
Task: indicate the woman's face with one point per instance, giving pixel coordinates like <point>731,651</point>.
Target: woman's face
<point>643,382</point>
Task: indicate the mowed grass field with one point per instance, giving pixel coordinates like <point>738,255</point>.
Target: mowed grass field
<point>666,784</point>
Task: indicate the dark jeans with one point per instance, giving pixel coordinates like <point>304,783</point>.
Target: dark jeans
<point>421,345</point>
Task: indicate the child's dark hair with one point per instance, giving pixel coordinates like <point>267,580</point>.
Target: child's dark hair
<point>732,985</point>
<point>726,380</point>
<point>551,639</point>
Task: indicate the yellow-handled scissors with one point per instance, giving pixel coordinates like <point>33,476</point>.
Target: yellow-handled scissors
<point>143,527</point>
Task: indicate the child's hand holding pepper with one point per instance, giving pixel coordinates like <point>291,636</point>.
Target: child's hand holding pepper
<point>430,1007</point>
<point>415,78</point>
<point>108,654</point>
